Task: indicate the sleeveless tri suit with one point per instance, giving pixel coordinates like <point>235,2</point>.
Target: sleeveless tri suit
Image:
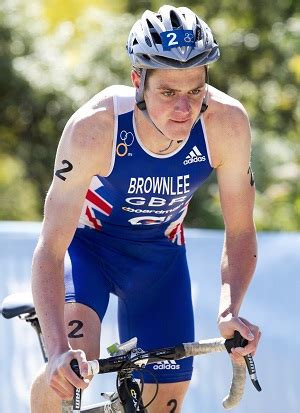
<point>130,239</point>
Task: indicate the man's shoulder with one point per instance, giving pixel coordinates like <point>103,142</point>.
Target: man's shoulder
<point>102,108</point>
<point>224,110</point>
<point>223,104</point>
<point>227,125</point>
<point>120,91</point>
<point>225,116</point>
<point>92,124</point>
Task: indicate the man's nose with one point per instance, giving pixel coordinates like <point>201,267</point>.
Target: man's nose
<point>183,104</point>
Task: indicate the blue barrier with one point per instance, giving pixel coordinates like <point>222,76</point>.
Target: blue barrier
<point>271,302</point>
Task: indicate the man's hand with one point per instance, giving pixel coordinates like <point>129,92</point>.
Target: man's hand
<point>60,376</point>
<point>251,332</point>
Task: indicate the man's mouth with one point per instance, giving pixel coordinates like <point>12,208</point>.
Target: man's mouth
<point>180,120</point>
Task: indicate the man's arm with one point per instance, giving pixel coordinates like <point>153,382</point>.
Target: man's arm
<point>239,257</point>
<point>83,152</point>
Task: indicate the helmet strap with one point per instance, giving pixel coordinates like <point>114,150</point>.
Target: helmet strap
<point>204,105</point>
<point>139,94</point>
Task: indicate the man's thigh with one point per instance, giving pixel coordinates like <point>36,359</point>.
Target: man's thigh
<point>83,329</point>
<point>161,316</point>
<point>85,281</point>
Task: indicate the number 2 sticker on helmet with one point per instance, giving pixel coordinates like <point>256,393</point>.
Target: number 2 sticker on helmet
<point>177,38</point>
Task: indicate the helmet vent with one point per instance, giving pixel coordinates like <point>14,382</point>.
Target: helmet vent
<point>148,41</point>
<point>175,20</point>
<point>155,36</point>
<point>150,25</point>
<point>198,33</point>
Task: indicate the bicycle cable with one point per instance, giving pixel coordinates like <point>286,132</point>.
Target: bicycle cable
<point>156,383</point>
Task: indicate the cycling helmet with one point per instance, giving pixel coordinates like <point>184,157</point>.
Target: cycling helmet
<point>172,38</point>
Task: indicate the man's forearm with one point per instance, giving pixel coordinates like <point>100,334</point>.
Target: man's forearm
<point>237,268</point>
<point>48,296</point>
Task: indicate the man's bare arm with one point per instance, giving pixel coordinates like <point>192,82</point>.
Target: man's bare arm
<point>83,149</point>
<point>237,193</point>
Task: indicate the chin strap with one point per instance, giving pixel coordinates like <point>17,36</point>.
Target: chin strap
<point>204,105</point>
<point>140,102</point>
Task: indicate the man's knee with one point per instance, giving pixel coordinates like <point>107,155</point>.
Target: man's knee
<point>42,398</point>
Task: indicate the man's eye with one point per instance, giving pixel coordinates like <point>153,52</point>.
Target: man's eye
<point>196,91</point>
<point>168,93</point>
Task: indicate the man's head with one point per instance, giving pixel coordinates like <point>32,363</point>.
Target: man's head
<point>172,39</point>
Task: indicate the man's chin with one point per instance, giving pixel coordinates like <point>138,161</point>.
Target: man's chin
<point>179,131</point>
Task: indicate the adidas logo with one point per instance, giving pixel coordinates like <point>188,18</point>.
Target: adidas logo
<point>166,365</point>
<point>194,156</point>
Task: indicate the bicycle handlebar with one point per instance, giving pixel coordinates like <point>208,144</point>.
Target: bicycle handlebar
<point>137,359</point>
<point>237,386</point>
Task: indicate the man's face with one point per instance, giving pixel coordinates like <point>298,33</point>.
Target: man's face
<point>173,98</point>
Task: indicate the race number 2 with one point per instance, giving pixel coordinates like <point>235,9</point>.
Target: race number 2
<point>61,172</point>
<point>177,38</point>
<point>74,332</point>
<point>172,41</point>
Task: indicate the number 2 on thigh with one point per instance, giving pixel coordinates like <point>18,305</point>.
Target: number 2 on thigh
<point>73,333</point>
<point>173,404</point>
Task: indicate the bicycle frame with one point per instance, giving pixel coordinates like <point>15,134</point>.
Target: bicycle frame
<point>112,405</point>
<point>104,407</point>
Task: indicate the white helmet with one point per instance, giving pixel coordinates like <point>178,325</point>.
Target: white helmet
<point>173,38</point>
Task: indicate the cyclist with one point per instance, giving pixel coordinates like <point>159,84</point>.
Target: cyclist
<point>126,168</point>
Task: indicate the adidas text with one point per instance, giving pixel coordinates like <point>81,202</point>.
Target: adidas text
<point>194,156</point>
<point>195,159</point>
<point>166,365</point>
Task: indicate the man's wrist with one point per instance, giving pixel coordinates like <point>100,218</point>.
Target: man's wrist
<point>226,315</point>
<point>58,348</point>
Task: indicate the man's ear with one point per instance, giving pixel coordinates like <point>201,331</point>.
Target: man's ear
<point>135,79</point>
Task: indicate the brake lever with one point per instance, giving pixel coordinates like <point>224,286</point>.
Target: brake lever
<point>239,341</point>
<point>77,391</point>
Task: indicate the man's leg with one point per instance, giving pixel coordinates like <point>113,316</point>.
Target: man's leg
<point>83,327</point>
<point>161,315</point>
<point>169,398</point>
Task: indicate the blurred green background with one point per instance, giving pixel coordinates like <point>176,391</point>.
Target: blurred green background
<point>56,55</point>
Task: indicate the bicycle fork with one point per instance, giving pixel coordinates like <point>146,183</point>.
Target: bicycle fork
<point>130,395</point>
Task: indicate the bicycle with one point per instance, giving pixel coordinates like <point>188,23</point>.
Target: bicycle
<point>127,358</point>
